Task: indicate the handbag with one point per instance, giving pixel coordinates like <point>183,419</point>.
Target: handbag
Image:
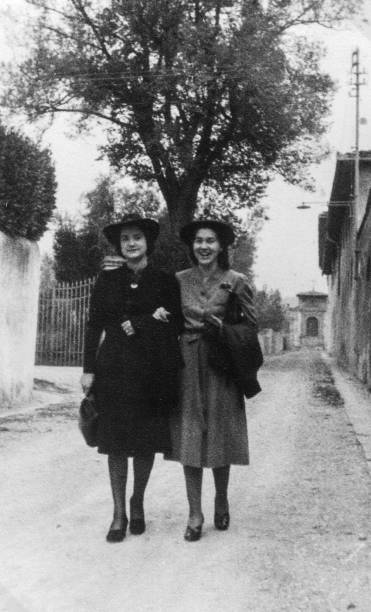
<point>88,420</point>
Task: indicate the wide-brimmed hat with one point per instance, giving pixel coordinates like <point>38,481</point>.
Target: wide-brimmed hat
<point>224,231</point>
<point>149,227</point>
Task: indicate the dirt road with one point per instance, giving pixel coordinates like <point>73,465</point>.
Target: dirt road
<point>300,515</point>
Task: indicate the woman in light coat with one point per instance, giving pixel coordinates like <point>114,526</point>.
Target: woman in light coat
<point>209,427</point>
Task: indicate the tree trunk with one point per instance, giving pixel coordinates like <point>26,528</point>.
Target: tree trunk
<point>182,204</point>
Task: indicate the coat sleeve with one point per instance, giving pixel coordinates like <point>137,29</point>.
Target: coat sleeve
<point>95,324</point>
<point>173,303</point>
<point>246,299</point>
<point>170,300</point>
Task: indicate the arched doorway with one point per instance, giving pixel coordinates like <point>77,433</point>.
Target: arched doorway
<point>312,326</point>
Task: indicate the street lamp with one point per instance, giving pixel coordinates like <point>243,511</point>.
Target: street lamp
<point>330,204</point>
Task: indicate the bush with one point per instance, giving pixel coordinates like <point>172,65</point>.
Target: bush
<point>27,186</point>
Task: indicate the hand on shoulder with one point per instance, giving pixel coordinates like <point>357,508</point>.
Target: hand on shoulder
<point>112,262</point>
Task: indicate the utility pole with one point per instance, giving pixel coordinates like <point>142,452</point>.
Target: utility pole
<point>356,84</point>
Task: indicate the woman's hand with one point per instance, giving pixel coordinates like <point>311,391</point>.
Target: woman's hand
<point>161,314</point>
<point>86,381</point>
<point>214,320</point>
<point>112,262</point>
<point>127,327</point>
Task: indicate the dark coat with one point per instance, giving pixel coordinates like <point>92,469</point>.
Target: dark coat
<point>242,345</point>
<point>235,352</point>
<point>136,377</point>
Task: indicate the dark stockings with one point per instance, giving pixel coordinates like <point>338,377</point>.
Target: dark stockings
<point>193,478</point>
<point>118,471</point>
<point>142,467</point>
<point>221,479</point>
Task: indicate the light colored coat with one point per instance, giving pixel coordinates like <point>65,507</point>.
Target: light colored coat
<point>209,427</point>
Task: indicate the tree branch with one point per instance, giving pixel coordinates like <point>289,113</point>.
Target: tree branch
<point>49,9</point>
<point>67,36</point>
<point>81,9</point>
<point>81,111</point>
<point>300,18</point>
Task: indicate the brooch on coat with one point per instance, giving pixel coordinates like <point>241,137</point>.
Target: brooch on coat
<point>227,287</point>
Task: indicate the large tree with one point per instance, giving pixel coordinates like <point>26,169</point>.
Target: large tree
<point>218,93</point>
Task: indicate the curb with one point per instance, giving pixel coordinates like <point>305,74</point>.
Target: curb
<point>357,405</point>
<point>40,400</point>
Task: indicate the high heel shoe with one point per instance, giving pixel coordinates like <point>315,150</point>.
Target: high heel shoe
<point>193,534</point>
<point>117,535</point>
<point>137,526</point>
<point>221,521</point>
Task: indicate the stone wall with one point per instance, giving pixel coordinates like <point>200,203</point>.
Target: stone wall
<point>345,258</point>
<point>19,287</point>
<point>271,342</point>
<point>362,327</point>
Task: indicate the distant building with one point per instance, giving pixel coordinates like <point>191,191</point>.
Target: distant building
<point>345,258</point>
<point>306,321</point>
<point>312,310</point>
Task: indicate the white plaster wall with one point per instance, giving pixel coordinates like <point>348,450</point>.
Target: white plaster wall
<point>271,342</point>
<point>19,289</point>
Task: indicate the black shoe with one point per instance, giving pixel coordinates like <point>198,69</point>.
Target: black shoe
<point>137,526</point>
<point>117,535</point>
<point>221,521</point>
<point>193,534</point>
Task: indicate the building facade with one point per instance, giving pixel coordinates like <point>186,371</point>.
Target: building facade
<point>306,322</point>
<point>311,318</point>
<point>345,257</point>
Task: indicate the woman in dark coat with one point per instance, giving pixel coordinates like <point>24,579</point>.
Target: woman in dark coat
<point>209,427</point>
<point>133,372</point>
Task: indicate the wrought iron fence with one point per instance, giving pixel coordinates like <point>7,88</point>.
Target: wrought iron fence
<point>62,317</point>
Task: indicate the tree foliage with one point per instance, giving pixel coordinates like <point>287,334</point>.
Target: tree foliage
<point>269,308</point>
<point>27,186</point>
<point>213,93</point>
<point>76,253</point>
<point>79,244</point>
<point>47,273</point>
<point>244,255</point>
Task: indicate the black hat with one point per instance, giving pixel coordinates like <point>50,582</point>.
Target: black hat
<point>149,227</point>
<point>224,231</point>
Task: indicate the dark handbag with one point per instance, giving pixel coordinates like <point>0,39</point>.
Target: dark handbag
<point>88,420</point>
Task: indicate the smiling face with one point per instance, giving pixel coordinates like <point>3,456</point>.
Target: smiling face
<point>133,243</point>
<point>206,247</point>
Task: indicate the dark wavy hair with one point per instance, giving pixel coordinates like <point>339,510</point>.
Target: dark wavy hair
<point>223,257</point>
<point>149,240</point>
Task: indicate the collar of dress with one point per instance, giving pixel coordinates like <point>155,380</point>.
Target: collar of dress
<point>214,277</point>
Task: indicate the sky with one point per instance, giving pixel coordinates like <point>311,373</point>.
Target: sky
<point>287,254</point>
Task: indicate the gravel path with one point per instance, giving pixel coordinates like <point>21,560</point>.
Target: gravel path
<point>298,539</point>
